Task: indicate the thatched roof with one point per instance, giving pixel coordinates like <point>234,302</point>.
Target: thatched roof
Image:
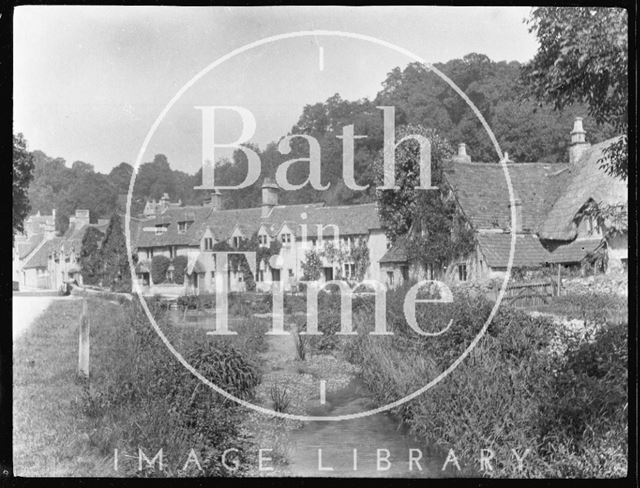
<point>588,182</point>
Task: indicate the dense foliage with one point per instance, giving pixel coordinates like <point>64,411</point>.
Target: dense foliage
<point>180,267</point>
<point>22,174</point>
<point>90,260</point>
<point>149,400</point>
<point>526,385</point>
<point>116,272</point>
<point>159,267</point>
<point>583,58</point>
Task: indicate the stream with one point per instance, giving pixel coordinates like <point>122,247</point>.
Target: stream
<point>373,446</point>
<point>338,440</point>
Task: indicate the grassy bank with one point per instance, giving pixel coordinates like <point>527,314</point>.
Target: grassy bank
<point>50,435</point>
<point>517,389</point>
<point>138,396</point>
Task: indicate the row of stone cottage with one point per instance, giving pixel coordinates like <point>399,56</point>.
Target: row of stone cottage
<point>551,227</point>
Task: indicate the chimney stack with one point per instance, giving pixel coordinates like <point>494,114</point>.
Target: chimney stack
<point>462,156</point>
<point>215,200</point>
<point>578,144</point>
<point>81,218</point>
<point>518,223</point>
<point>269,196</point>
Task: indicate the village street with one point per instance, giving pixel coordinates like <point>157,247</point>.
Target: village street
<point>26,308</point>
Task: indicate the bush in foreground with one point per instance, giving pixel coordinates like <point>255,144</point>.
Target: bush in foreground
<point>149,400</point>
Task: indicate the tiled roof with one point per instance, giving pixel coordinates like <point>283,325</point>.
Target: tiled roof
<point>575,251</point>
<point>26,246</point>
<point>588,182</point>
<point>495,248</point>
<point>530,251</point>
<point>41,257</point>
<point>397,253</point>
<point>172,236</point>
<point>482,193</point>
<point>351,220</point>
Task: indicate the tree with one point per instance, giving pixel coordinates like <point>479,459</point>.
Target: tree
<point>90,191</point>
<point>91,262</point>
<point>116,273</point>
<point>311,266</point>
<point>22,174</point>
<point>120,177</point>
<point>397,208</point>
<point>434,233</point>
<point>583,58</point>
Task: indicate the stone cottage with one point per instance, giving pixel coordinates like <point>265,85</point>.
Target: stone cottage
<point>193,232</point>
<point>552,226</point>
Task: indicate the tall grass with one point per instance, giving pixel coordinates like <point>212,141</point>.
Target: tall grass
<point>570,411</point>
<point>145,398</point>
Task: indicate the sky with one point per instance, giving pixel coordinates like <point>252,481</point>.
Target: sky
<point>89,82</point>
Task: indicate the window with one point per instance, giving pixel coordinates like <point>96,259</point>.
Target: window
<point>290,273</point>
<point>150,253</point>
<point>349,270</point>
<point>462,272</point>
<point>263,240</point>
<point>236,241</point>
<point>390,278</point>
<point>430,273</point>
<point>285,238</point>
<point>172,252</point>
<point>183,226</point>
<point>208,243</point>
<point>404,270</point>
<point>275,274</point>
<point>260,275</point>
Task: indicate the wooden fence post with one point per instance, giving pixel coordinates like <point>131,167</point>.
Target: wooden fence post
<point>83,343</point>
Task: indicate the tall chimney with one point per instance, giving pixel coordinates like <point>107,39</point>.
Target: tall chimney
<point>462,156</point>
<point>269,196</point>
<point>518,204</point>
<point>578,141</point>
<point>215,200</point>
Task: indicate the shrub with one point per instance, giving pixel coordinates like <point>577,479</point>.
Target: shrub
<point>149,400</point>
<point>159,267</point>
<point>300,342</point>
<point>509,392</point>
<point>196,302</point>
<point>595,308</point>
<point>280,397</point>
<point>180,265</point>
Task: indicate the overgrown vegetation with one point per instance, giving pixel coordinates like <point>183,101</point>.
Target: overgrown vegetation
<point>139,396</point>
<point>512,391</point>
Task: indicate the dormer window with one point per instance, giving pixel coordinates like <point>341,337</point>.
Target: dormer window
<point>236,241</point>
<point>285,238</point>
<point>263,240</point>
<point>184,226</point>
<point>208,243</point>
